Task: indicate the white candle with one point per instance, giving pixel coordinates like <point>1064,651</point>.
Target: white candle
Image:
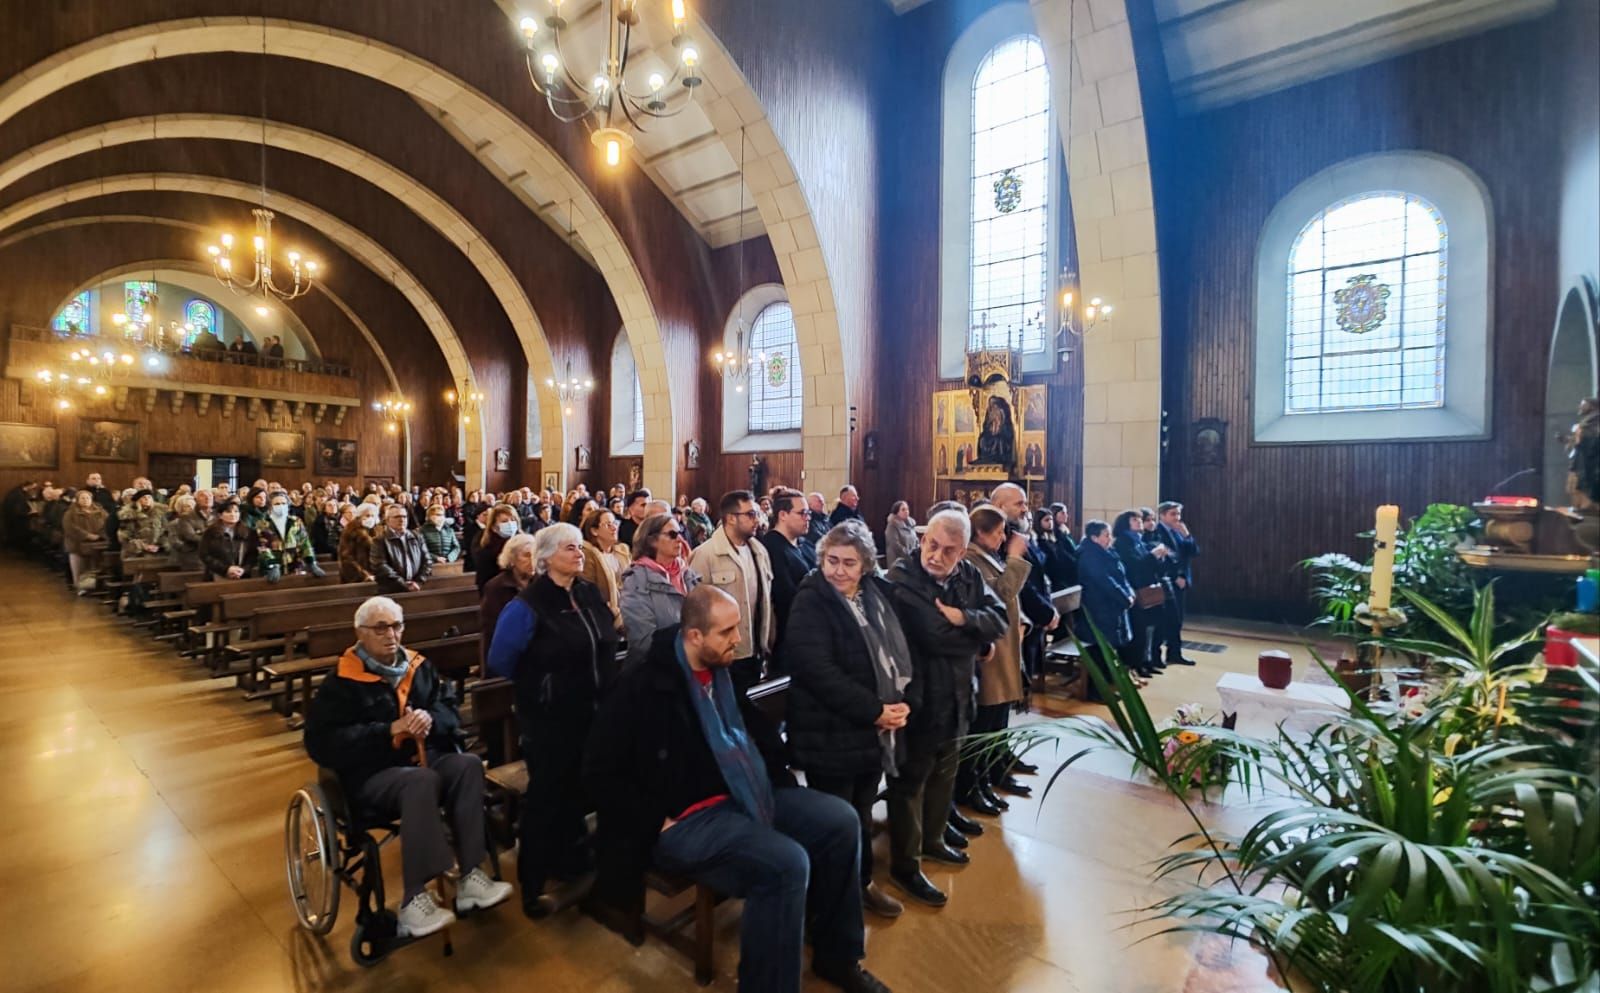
<point>1383,556</point>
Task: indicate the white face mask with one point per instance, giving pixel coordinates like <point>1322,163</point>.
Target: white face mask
<point>507,528</point>
<point>280,512</point>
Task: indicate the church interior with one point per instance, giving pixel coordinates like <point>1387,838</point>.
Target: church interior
<point>1006,495</point>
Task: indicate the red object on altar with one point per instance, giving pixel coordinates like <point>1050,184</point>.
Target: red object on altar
<point>1513,501</point>
<point>1275,669</point>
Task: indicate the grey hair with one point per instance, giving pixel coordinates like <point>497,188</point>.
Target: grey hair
<point>182,504</point>
<point>657,507</point>
<point>549,539</point>
<point>855,535</point>
<point>953,522</point>
<point>513,547</point>
<point>372,606</point>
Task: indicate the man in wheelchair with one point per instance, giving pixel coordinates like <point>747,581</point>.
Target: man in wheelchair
<point>365,723</point>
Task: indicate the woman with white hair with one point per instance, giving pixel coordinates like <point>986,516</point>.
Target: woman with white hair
<point>516,569</point>
<point>557,642</point>
<point>185,533</point>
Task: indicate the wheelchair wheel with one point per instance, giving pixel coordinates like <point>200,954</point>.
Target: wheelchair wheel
<point>311,859</point>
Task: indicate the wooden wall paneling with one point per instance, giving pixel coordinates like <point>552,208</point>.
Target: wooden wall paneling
<point>1487,101</point>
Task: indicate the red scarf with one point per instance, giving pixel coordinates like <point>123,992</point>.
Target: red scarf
<point>673,572</point>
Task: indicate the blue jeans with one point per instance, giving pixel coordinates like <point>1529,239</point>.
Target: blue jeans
<point>805,866</point>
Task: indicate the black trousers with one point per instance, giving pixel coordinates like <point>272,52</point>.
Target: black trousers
<point>1172,621</point>
<point>553,836</point>
<point>982,768</point>
<point>1148,625</point>
<point>919,801</point>
<point>860,791</point>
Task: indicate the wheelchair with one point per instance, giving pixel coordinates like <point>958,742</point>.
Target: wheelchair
<point>327,846</point>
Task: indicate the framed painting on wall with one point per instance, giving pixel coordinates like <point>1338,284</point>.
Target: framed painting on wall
<point>108,441</point>
<point>337,457</point>
<point>27,446</point>
<point>502,460</point>
<point>1209,443</point>
<point>281,449</point>
<point>691,454</point>
<point>584,459</point>
<point>552,481</point>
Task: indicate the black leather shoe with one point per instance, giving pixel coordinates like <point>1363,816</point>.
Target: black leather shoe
<point>944,853</point>
<point>980,804</point>
<point>954,838</point>
<point>989,794</point>
<point>851,978</point>
<point>966,825</point>
<point>916,886</point>
<point>1021,768</point>
<point>1180,661</point>
<point>1010,785</point>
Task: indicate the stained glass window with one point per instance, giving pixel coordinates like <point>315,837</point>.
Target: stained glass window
<point>200,315</point>
<point>1010,193</point>
<point>775,388</point>
<point>75,316</point>
<point>136,294</point>
<point>1366,307</point>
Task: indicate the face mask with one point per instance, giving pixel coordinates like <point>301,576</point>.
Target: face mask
<point>280,513</point>
<point>507,528</point>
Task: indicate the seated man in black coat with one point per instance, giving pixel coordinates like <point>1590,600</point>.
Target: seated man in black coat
<point>687,774</point>
<point>792,557</point>
<point>365,722</point>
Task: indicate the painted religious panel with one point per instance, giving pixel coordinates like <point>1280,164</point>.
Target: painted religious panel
<point>27,446</point>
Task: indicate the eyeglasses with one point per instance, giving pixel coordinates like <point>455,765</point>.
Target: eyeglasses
<point>672,534</point>
<point>383,629</point>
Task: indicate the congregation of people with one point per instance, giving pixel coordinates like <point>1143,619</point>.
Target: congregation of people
<point>633,630</point>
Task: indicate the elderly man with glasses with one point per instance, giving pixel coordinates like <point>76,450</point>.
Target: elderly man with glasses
<point>365,723</point>
<point>735,563</point>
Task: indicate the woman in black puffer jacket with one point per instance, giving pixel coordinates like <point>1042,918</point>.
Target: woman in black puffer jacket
<point>850,670</point>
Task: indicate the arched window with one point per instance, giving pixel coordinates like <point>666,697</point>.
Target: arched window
<point>1010,198</point>
<point>1366,324</point>
<point>200,316</point>
<point>775,387</point>
<point>1372,305</point>
<point>999,217</point>
<point>535,424</point>
<point>76,317</point>
<point>761,411</point>
<point>627,400</point>
<point>138,299</point>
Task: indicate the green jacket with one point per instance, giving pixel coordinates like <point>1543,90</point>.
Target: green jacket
<point>290,551</point>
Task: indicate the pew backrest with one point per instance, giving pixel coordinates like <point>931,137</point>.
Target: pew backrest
<point>333,639</point>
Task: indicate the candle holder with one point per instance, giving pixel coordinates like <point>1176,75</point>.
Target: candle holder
<point>1370,653</point>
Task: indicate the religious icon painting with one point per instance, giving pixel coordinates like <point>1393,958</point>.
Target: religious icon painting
<point>691,454</point>
<point>584,459</point>
<point>502,460</point>
<point>965,420</point>
<point>1035,407</point>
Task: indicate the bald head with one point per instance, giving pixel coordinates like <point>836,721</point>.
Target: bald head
<point>1011,500</point>
<point>709,627</point>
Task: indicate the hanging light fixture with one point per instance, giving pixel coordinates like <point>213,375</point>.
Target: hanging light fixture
<point>611,105</point>
<point>302,270</point>
<point>569,390</point>
<point>1076,316</point>
<point>466,399</point>
<point>394,410</point>
<point>737,364</point>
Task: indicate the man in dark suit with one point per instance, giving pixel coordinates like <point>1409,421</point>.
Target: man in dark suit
<point>792,557</point>
<point>1179,570</point>
<point>848,507</point>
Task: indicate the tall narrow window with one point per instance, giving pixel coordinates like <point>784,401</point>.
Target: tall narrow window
<point>535,437</point>
<point>199,316</point>
<point>1010,198</point>
<point>627,399</point>
<point>138,298</point>
<point>74,318</point>
<point>775,387</point>
<point>1366,307</point>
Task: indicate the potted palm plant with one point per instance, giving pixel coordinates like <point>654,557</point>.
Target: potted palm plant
<point>1440,847</point>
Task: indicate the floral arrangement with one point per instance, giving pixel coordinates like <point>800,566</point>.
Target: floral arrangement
<point>1190,755</point>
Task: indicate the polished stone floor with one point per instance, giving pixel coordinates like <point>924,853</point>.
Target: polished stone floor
<point>143,852</point>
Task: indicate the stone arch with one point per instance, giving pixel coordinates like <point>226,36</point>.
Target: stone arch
<point>780,199</point>
<point>1089,49</point>
<point>421,200</point>
<point>501,141</point>
<point>353,241</point>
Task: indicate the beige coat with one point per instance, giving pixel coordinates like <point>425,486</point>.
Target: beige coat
<point>595,571</point>
<point>718,564</point>
<point>1000,678</point>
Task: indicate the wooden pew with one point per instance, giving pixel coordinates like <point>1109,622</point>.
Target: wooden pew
<point>325,643</point>
<point>280,627</point>
<point>453,658</point>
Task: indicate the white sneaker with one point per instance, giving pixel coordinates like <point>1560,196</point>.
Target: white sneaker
<point>422,916</point>
<point>476,890</point>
